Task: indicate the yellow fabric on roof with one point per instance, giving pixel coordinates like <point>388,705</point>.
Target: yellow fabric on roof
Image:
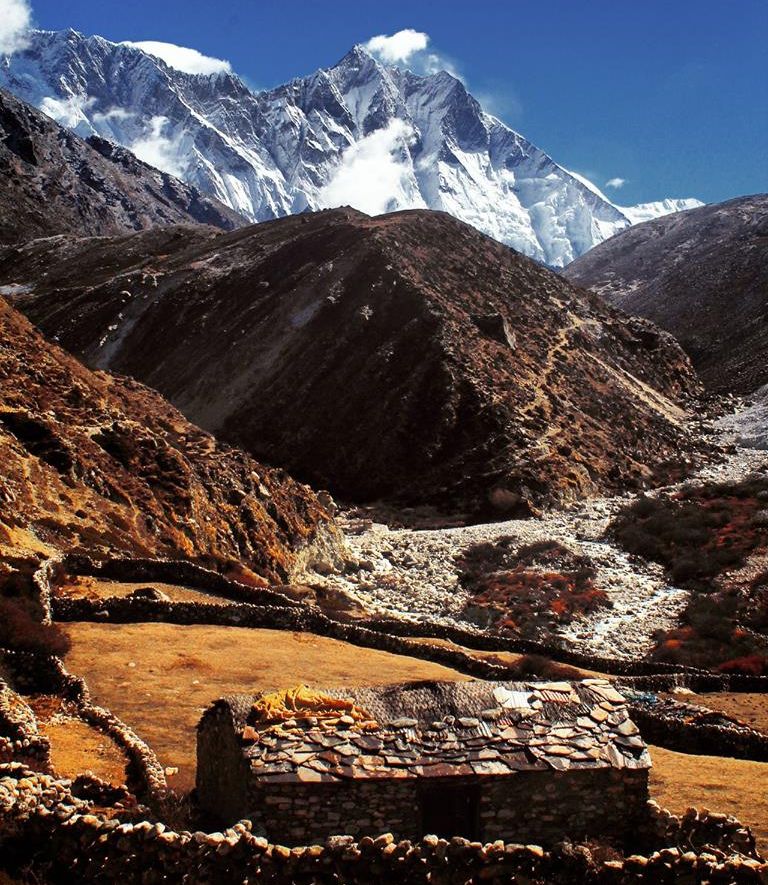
<point>303,702</point>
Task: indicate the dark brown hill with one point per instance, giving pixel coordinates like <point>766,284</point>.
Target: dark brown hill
<point>52,182</point>
<point>703,276</point>
<point>405,357</point>
<point>91,462</point>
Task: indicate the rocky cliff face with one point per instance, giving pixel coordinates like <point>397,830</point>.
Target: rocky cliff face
<point>94,463</point>
<point>303,145</point>
<point>52,182</point>
<point>405,357</point>
<point>702,275</point>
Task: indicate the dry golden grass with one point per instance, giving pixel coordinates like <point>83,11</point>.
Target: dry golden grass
<point>76,746</point>
<point>97,588</point>
<point>732,786</point>
<point>177,671</point>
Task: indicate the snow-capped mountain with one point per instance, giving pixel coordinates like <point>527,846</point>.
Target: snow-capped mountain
<point>362,133</point>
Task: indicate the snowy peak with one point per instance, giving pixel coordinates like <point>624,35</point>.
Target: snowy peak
<point>647,211</point>
<point>361,133</point>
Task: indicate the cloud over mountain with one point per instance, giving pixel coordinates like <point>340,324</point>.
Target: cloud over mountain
<point>15,22</point>
<point>182,58</point>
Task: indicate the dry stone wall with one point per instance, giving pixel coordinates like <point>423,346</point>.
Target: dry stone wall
<point>146,777</point>
<point>20,740</point>
<point>180,572</point>
<point>309,618</point>
<point>660,728</point>
<point>529,806</point>
<point>650,675</point>
<point>44,826</point>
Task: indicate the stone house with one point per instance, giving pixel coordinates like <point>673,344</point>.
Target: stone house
<point>530,762</point>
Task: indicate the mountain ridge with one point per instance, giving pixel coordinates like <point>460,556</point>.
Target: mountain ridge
<point>97,463</point>
<point>405,356</point>
<point>57,183</point>
<point>276,152</point>
<point>701,275</point>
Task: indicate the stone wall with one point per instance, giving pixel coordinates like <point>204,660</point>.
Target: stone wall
<point>49,833</point>
<point>367,634</point>
<point>20,740</point>
<point>47,573</point>
<point>539,806</point>
<point>699,738</point>
<point>175,571</point>
<point>650,675</point>
<point>43,673</point>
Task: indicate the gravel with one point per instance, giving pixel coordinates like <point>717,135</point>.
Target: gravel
<point>412,574</point>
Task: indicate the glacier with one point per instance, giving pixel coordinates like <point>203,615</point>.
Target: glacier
<point>361,132</point>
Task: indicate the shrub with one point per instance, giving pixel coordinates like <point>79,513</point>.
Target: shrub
<point>698,533</point>
<point>752,665</point>
<point>21,631</point>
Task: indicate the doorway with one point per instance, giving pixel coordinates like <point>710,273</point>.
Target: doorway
<point>450,810</point>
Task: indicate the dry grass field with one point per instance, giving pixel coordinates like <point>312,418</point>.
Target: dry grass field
<point>158,678</point>
<point>76,746</point>
<point>733,786</point>
<point>97,588</point>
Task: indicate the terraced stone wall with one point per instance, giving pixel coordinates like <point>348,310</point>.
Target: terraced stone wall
<point>20,740</point>
<point>47,830</point>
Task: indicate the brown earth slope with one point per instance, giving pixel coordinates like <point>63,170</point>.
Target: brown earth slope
<point>91,462</point>
<point>405,357</point>
<point>52,182</point>
<point>703,276</point>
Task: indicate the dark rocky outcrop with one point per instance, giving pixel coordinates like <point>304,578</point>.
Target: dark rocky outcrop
<point>405,357</point>
<point>95,463</point>
<point>703,276</point>
<point>52,182</point>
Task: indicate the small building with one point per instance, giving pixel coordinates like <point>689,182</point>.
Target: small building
<point>530,762</point>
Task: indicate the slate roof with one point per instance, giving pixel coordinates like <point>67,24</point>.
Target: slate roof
<point>439,729</point>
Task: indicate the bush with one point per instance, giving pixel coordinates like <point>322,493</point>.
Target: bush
<point>21,631</point>
<point>751,665</point>
<point>698,533</point>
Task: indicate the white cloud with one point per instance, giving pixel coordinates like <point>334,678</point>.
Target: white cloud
<point>68,112</point>
<point>616,182</point>
<point>373,172</point>
<point>160,151</point>
<point>182,58</point>
<point>15,22</point>
<point>118,114</point>
<point>397,48</point>
<point>409,49</point>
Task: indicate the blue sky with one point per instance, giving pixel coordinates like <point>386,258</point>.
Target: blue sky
<point>670,96</point>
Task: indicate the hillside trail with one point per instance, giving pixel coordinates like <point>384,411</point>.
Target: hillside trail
<point>413,574</point>
<point>541,401</point>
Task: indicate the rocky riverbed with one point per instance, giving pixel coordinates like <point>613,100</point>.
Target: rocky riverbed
<point>414,574</point>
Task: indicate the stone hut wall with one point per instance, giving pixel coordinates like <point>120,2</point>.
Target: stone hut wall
<point>223,773</point>
<point>540,806</point>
